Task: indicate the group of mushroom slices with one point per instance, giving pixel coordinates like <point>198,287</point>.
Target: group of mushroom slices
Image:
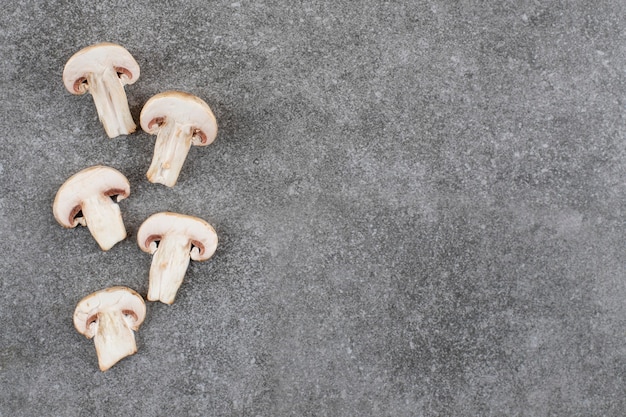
<point>90,197</point>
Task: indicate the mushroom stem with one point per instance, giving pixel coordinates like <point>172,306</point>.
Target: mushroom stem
<point>170,150</point>
<point>110,99</point>
<point>169,264</point>
<point>104,219</point>
<point>114,338</point>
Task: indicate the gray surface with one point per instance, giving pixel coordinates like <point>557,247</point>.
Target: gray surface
<point>420,205</point>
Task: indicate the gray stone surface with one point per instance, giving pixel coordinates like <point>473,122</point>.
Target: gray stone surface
<point>420,205</point>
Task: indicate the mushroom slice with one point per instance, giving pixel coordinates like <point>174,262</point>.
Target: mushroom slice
<point>109,316</point>
<point>86,198</point>
<point>103,70</point>
<point>173,239</point>
<point>179,120</point>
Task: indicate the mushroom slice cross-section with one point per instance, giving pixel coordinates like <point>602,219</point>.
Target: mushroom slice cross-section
<point>110,316</point>
<point>86,198</point>
<point>104,69</point>
<point>173,239</point>
<point>179,120</point>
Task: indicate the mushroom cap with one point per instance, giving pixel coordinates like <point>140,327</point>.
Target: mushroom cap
<point>183,108</point>
<point>95,59</point>
<point>122,299</point>
<point>91,181</point>
<point>200,233</point>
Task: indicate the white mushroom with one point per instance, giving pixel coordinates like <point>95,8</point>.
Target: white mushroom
<point>86,199</point>
<point>109,316</point>
<point>173,239</point>
<point>179,120</point>
<point>103,70</point>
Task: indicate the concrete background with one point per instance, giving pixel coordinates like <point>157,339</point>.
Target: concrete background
<point>421,208</point>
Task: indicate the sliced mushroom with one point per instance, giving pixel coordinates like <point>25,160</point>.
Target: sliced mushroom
<point>179,120</point>
<point>109,316</point>
<point>86,198</point>
<point>173,239</point>
<point>103,70</point>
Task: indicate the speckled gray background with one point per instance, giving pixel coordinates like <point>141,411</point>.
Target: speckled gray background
<point>421,208</point>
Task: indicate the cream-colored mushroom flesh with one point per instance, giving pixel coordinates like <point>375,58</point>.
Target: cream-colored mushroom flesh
<point>109,317</point>
<point>103,70</point>
<point>86,199</point>
<point>173,239</point>
<point>179,120</point>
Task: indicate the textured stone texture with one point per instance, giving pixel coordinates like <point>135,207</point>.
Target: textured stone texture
<point>420,207</point>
